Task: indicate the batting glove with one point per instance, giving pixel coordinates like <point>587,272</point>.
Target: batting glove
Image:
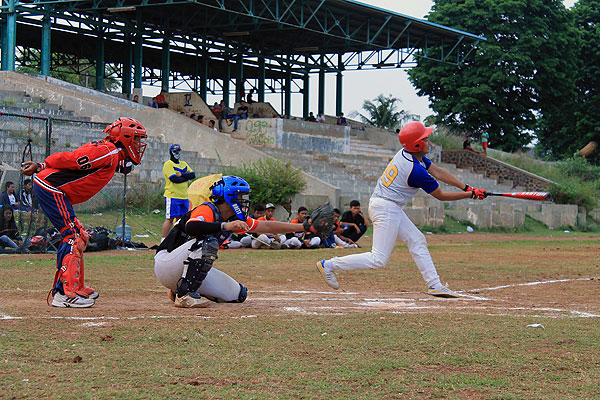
<point>468,188</point>
<point>478,194</point>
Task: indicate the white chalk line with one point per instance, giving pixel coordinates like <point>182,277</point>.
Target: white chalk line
<point>462,292</point>
<point>531,284</point>
<point>408,304</point>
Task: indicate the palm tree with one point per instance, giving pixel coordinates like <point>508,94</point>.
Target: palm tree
<point>382,112</point>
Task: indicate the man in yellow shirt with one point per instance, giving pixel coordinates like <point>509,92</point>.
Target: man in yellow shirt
<point>177,174</point>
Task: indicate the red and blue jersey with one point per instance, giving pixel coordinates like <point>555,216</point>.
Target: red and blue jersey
<point>81,173</point>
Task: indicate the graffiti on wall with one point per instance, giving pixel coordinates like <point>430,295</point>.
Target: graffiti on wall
<point>261,110</point>
<point>259,133</point>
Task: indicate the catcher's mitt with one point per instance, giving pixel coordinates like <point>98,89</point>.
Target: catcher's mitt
<point>320,221</point>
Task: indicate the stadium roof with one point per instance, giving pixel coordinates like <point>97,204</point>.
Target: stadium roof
<point>275,39</point>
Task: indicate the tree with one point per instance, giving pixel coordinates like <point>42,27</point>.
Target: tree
<point>510,85</point>
<point>382,112</point>
<point>586,14</point>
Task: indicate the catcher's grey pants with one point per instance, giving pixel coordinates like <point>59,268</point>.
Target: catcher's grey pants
<point>390,222</point>
<point>168,268</point>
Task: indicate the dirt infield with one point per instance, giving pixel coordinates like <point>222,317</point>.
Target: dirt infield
<point>551,293</point>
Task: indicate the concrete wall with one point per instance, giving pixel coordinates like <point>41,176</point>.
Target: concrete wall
<point>189,103</point>
<point>165,125</point>
<point>388,140</point>
<point>496,169</point>
<point>295,135</point>
<point>262,110</point>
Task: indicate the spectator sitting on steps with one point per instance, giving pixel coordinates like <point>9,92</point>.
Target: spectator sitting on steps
<point>467,146</point>
<point>241,113</point>
<point>161,101</point>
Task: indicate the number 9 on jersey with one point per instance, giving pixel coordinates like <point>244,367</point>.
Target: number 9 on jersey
<point>389,175</point>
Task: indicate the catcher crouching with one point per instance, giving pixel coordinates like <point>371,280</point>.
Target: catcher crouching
<point>184,260</point>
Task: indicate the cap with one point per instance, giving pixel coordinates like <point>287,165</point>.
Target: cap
<point>175,147</point>
<point>269,205</point>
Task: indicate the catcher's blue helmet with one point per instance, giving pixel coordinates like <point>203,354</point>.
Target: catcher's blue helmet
<point>235,191</point>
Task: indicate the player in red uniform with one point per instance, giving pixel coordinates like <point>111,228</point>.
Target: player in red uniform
<point>73,177</point>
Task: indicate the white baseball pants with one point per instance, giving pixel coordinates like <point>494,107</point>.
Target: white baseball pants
<point>390,223</point>
<point>168,268</point>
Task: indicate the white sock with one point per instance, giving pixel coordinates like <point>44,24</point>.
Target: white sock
<point>328,265</point>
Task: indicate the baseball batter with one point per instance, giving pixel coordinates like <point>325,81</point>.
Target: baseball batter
<point>408,172</point>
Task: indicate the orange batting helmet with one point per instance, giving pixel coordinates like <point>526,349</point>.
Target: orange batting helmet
<point>129,133</point>
<point>412,134</point>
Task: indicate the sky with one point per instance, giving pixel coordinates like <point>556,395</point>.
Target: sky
<point>359,86</point>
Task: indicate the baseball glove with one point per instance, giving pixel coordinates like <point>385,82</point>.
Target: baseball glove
<point>320,221</point>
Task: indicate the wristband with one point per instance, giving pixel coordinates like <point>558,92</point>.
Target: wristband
<point>223,225</point>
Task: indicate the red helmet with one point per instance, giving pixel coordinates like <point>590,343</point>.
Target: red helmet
<point>129,133</point>
<point>412,135</point>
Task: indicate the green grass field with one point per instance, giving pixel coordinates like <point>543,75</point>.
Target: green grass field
<point>379,337</point>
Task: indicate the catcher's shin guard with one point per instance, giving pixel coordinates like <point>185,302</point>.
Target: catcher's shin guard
<point>83,291</point>
<point>196,269</point>
<point>70,270</point>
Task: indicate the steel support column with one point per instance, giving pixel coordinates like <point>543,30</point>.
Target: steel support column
<point>305,98</point>
<point>226,80</point>
<point>137,53</point>
<point>288,92</point>
<point>46,54</point>
<point>338,87</point>
<point>239,78</point>
<point>126,85</point>
<point>9,38</point>
<point>261,79</point>
<point>322,89</point>
<point>4,43</point>
<point>100,62</point>
<point>203,75</point>
<point>166,64</point>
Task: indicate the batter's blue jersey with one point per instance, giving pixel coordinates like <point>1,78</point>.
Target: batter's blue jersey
<point>403,177</point>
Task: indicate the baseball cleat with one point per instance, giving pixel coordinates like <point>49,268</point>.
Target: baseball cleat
<point>191,300</point>
<point>171,295</point>
<point>60,300</point>
<point>329,276</point>
<point>442,291</point>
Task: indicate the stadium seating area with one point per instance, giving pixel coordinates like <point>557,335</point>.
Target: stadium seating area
<point>354,173</point>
